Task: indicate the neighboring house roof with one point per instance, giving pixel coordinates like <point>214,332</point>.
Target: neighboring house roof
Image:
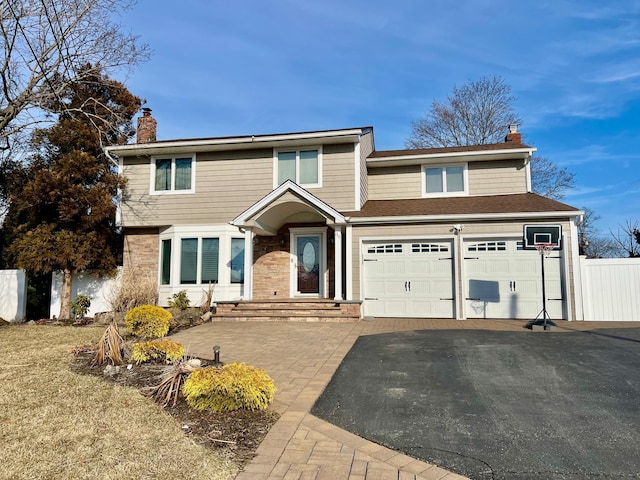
<point>513,205</point>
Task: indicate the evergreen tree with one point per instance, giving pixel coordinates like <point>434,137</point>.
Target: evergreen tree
<point>61,214</point>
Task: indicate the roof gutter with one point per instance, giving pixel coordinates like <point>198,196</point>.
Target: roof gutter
<point>460,217</point>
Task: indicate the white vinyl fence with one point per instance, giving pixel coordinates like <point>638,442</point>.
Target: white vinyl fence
<point>98,288</point>
<point>611,289</point>
<point>13,295</point>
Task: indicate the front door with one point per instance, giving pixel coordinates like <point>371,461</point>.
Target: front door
<point>308,264</point>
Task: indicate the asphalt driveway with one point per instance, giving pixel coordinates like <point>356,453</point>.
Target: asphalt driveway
<point>497,405</point>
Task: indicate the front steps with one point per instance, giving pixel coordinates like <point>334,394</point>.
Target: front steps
<point>294,310</point>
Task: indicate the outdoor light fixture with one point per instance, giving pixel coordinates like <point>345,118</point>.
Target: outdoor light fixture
<point>216,355</point>
<point>190,320</point>
<point>283,240</point>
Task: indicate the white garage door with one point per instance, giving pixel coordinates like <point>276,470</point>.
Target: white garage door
<point>504,281</point>
<point>408,279</point>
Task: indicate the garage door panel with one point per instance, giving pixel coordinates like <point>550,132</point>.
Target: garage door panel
<point>530,266</point>
<point>395,267</point>
<point>409,280</point>
<point>504,281</point>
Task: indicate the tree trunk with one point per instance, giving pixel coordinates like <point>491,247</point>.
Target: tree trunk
<point>65,295</point>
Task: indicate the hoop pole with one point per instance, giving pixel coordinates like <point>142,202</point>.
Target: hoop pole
<point>544,292</point>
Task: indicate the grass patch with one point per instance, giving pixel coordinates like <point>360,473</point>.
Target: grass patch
<point>58,424</point>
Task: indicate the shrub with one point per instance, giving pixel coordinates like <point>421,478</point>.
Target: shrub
<point>133,290</point>
<point>109,348</point>
<point>166,351</point>
<point>233,387</point>
<point>169,390</point>
<point>148,321</point>
<point>80,306</point>
<point>179,300</point>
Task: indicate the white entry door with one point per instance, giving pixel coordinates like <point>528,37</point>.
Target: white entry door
<point>408,279</point>
<point>502,280</point>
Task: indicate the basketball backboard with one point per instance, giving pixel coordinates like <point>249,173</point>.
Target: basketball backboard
<point>536,234</point>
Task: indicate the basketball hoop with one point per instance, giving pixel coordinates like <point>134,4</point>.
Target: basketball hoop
<point>544,248</point>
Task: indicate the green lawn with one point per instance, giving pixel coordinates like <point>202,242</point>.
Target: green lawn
<point>58,424</point>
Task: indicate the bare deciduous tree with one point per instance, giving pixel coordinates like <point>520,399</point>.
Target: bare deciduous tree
<point>47,45</point>
<point>477,113</point>
<point>591,242</point>
<point>627,238</point>
<point>548,179</point>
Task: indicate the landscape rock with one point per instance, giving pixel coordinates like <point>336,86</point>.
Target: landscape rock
<point>111,370</point>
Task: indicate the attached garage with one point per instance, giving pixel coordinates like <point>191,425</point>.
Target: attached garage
<point>408,279</point>
<point>502,280</point>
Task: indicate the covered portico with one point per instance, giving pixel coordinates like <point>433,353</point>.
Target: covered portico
<point>294,247</point>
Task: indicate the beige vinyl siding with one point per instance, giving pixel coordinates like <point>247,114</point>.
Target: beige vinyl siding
<point>226,184</point>
<point>443,231</point>
<point>485,178</point>
<point>338,176</point>
<point>497,178</point>
<point>388,183</point>
<point>366,147</point>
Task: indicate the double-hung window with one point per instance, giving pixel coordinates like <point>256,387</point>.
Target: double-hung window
<point>199,258</point>
<point>442,181</point>
<point>304,167</point>
<point>172,175</point>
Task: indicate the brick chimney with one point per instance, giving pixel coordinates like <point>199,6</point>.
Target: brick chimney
<point>513,136</point>
<point>147,126</point>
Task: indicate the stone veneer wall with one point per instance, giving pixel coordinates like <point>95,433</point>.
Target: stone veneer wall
<point>141,251</point>
<point>272,264</point>
<point>271,268</point>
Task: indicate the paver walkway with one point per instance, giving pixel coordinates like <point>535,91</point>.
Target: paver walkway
<point>301,358</point>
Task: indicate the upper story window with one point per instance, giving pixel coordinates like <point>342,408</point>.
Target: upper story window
<point>172,175</point>
<point>442,181</point>
<point>301,166</point>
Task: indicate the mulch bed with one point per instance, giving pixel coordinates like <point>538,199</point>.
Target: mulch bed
<point>235,435</point>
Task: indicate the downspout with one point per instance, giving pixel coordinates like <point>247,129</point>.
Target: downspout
<point>118,165</point>
<point>527,166</point>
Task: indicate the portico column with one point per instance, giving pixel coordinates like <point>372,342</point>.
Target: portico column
<point>248,264</point>
<point>337,262</point>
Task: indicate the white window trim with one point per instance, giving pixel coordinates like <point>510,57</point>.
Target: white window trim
<point>297,180</point>
<point>152,176</point>
<point>176,234</point>
<point>465,179</point>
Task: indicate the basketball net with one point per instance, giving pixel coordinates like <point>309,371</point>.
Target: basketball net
<point>544,248</point>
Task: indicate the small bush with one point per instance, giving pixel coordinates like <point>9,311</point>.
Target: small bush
<point>148,321</point>
<point>80,306</point>
<point>179,300</point>
<point>233,387</point>
<point>166,351</point>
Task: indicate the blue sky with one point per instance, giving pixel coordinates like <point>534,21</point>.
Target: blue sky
<point>250,67</point>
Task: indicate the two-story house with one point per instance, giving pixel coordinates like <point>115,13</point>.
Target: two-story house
<point>324,215</point>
